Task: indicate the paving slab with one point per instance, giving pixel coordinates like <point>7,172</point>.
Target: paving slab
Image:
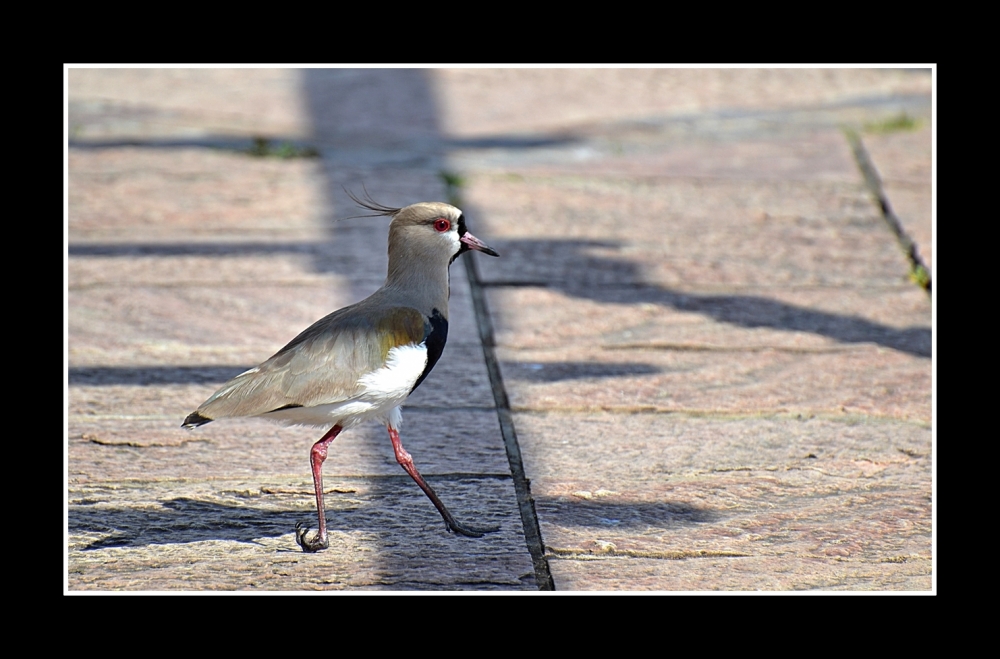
<point>869,381</point>
<point>143,104</point>
<point>713,573</point>
<point>686,233</point>
<point>771,489</point>
<point>733,277</point>
<point>505,101</point>
<point>236,534</point>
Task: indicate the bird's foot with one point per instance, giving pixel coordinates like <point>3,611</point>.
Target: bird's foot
<point>316,544</point>
<point>470,531</point>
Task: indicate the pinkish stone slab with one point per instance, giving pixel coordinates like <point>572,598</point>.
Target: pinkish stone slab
<point>130,191</point>
<point>903,156</point>
<point>485,101</point>
<point>685,234</point>
<point>169,102</point>
<point>701,573</point>
<point>820,155</point>
<point>112,318</point>
<point>768,494</point>
<point>865,380</point>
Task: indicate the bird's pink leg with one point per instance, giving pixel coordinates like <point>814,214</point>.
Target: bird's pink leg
<point>405,460</point>
<point>317,456</point>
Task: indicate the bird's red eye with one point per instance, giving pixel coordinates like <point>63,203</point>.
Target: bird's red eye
<point>442,224</point>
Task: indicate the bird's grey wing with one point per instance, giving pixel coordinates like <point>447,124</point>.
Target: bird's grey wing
<point>322,365</point>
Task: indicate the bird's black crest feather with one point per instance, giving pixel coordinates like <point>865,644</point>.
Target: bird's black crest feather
<point>370,204</point>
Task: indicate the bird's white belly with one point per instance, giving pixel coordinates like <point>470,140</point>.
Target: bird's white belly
<point>384,391</point>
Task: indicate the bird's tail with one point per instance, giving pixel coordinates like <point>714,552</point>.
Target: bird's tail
<point>194,420</point>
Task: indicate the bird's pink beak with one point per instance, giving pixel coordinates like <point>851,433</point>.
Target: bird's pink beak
<point>477,244</point>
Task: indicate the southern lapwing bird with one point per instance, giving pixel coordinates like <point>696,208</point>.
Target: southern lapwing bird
<point>363,361</point>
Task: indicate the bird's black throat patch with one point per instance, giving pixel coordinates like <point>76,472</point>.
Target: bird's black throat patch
<point>435,336</point>
<point>463,248</point>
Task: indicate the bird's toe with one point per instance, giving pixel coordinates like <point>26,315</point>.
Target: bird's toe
<point>316,544</point>
<point>471,531</point>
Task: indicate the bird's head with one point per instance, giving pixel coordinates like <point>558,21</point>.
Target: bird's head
<point>428,233</point>
<point>433,231</point>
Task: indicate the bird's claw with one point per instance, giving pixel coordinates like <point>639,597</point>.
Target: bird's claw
<point>471,531</point>
<point>316,544</point>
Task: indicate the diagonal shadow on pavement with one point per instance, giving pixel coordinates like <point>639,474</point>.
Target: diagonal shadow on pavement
<point>626,285</point>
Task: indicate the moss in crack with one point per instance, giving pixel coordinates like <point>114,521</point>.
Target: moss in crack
<point>920,277</point>
<point>453,184</point>
<point>898,123</point>
<point>264,148</point>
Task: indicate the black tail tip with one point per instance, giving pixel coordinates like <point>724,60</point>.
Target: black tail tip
<point>194,420</point>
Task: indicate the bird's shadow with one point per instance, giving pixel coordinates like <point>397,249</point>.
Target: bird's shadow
<point>185,520</point>
<point>389,506</point>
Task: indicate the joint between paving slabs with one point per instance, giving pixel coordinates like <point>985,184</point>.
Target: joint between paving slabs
<point>522,487</point>
<point>919,272</point>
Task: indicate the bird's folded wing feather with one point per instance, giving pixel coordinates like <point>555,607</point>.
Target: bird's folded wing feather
<point>322,365</point>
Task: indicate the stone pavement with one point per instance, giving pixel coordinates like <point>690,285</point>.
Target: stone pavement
<point>700,363</point>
